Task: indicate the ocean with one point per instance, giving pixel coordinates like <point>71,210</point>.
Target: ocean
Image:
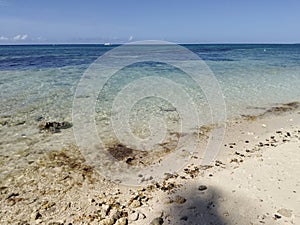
<point>38,83</point>
<point>43,78</point>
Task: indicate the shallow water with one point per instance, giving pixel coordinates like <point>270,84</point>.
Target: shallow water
<point>44,78</point>
<point>39,83</point>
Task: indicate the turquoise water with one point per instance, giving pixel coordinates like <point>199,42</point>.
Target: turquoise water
<point>42,79</point>
<point>38,83</point>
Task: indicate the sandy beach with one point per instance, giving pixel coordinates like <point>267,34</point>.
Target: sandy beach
<point>254,180</point>
<point>149,112</point>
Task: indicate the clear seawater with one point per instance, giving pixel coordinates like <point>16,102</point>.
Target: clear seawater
<point>42,79</point>
<point>38,82</point>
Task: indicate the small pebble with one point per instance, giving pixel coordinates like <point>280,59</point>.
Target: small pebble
<point>202,188</point>
<point>56,223</point>
<point>133,216</point>
<point>179,199</point>
<point>285,212</point>
<point>184,218</point>
<point>107,221</point>
<point>157,221</point>
<point>135,204</point>
<point>39,118</point>
<point>277,216</point>
<point>35,215</point>
<point>121,221</point>
<point>105,209</point>
<point>115,214</point>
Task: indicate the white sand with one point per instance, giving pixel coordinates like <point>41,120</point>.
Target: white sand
<point>251,183</point>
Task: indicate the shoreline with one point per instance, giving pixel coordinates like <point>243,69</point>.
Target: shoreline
<point>253,180</point>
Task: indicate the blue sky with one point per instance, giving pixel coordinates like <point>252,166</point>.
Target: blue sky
<point>202,21</point>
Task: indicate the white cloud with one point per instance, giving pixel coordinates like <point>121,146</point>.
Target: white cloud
<point>2,38</point>
<point>24,37</point>
<point>17,37</point>
<point>20,37</point>
<point>130,38</point>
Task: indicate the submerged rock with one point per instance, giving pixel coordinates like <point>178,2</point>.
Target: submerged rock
<point>283,108</point>
<point>120,152</point>
<point>123,153</point>
<point>54,127</point>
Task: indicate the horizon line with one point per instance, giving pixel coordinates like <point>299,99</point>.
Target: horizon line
<point>111,44</point>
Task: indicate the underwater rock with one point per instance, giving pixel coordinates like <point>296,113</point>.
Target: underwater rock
<point>39,118</point>
<point>123,153</point>
<point>120,152</point>
<point>54,127</point>
<point>283,108</point>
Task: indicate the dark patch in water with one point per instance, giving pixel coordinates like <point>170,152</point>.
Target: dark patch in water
<point>219,59</point>
<point>129,155</point>
<point>70,159</point>
<point>277,110</point>
<point>54,127</point>
<point>39,62</point>
<point>215,57</point>
<point>213,49</point>
<point>283,108</point>
<point>120,151</point>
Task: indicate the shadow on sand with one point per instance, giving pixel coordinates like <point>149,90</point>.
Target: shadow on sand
<point>209,206</point>
<point>202,207</point>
